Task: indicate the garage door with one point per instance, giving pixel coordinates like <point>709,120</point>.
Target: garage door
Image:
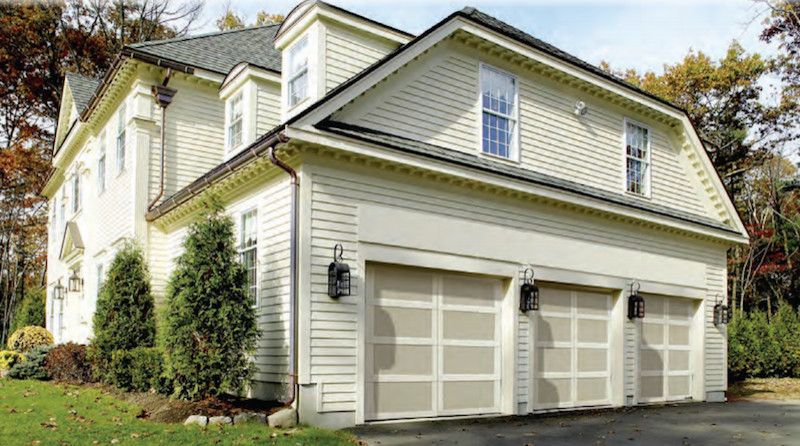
<point>665,351</point>
<point>433,343</point>
<point>571,338</point>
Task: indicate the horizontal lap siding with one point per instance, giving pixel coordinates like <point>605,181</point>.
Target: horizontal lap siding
<point>716,347</point>
<point>268,113</point>
<point>347,53</point>
<point>336,197</point>
<point>435,100</point>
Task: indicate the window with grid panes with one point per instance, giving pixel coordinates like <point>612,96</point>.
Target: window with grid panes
<point>499,103</point>
<point>235,125</point>
<point>248,252</point>
<point>637,155</point>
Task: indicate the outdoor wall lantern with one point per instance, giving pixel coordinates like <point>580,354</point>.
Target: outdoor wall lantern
<point>338,275</point>
<point>722,313</point>
<point>58,291</point>
<point>635,302</point>
<point>75,282</point>
<point>528,293</point>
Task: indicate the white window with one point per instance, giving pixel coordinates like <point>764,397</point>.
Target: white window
<point>121,139</point>
<point>298,71</point>
<point>637,156</point>
<point>76,192</point>
<point>248,251</point>
<point>499,120</point>
<point>235,121</point>
<point>101,165</point>
<point>100,278</point>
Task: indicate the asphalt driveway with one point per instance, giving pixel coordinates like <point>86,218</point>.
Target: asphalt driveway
<point>761,423</point>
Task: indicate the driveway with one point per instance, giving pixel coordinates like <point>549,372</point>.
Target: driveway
<point>746,423</point>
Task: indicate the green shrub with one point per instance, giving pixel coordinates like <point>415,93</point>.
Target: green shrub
<point>31,310</point>
<point>785,333</point>
<point>33,366</point>
<point>68,363</point>
<point>125,315</point>
<point>27,338</point>
<point>210,321</point>
<point>8,358</point>
<point>759,347</point>
<point>140,369</point>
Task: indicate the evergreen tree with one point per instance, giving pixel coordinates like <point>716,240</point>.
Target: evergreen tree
<point>210,320</point>
<point>31,310</point>
<point>125,315</point>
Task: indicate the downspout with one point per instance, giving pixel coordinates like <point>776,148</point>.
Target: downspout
<point>163,96</point>
<point>293,316</point>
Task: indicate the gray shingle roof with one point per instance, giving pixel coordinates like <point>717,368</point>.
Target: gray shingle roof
<point>82,87</point>
<point>476,162</point>
<point>221,51</point>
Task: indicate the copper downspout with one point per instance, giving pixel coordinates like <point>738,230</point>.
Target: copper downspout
<point>293,270</point>
<point>163,96</point>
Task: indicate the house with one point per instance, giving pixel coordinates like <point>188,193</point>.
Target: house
<point>448,171</point>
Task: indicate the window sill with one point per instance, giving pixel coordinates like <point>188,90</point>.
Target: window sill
<point>291,108</point>
<point>647,197</point>
<point>510,161</point>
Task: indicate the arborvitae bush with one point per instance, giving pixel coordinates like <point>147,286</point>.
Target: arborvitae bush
<point>761,347</point>
<point>125,315</point>
<point>210,321</point>
<point>139,369</point>
<point>785,332</point>
<point>31,310</point>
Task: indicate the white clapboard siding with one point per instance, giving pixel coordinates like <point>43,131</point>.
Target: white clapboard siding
<point>194,136</point>
<point>336,198</point>
<point>268,111</point>
<point>435,100</point>
<point>716,347</point>
<point>348,52</point>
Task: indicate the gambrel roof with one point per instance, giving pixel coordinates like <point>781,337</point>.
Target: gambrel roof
<point>220,51</point>
<point>82,88</point>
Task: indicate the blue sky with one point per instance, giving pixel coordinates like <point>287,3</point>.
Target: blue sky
<point>636,34</point>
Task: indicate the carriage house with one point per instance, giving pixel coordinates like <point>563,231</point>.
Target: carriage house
<point>445,176</point>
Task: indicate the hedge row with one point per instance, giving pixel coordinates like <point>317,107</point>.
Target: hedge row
<point>762,347</point>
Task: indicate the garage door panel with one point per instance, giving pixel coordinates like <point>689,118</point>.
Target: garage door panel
<point>554,360</point>
<point>554,329</point>
<point>651,360</point>
<point>468,395</point>
<point>470,291</point>
<point>652,387</point>
<point>553,392</point>
<point>589,303</point>
<point>652,334</point>
<point>393,359</point>
<point>459,360</point>
<point>679,335</point>
<point>678,386</point>
<point>678,360</point>
<point>592,389</point>
<point>654,307</point>
<point>592,360</point>
<point>402,397</point>
<point>402,322</point>
<point>555,300</point>
<point>466,325</point>
<point>680,309</point>
<point>594,331</point>
<point>404,284</point>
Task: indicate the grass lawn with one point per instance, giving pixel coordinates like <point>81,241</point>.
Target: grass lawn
<point>766,389</point>
<point>34,412</point>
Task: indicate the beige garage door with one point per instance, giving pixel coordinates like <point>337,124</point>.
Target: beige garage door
<point>571,361</point>
<point>433,343</point>
<point>665,351</point>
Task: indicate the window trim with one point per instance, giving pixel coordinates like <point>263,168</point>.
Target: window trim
<point>648,178</point>
<point>514,152</point>
<point>121,136</point>
<point>241,249</point>
<point>76,197</point>
<point>291,77</point>
<point>229,120</point>
<point>101,173</point>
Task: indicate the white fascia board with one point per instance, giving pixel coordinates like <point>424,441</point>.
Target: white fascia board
<point>314,136</point>
<point>236,79</point>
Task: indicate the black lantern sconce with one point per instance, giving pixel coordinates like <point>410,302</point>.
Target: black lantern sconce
<point>338,275</point>
<point>635,302</point>
<point>75,282</point>
<point>528,293</point>
<point>722,313</point>
<point>58,291</point>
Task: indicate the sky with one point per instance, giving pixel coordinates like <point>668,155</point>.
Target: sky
<point>628,34</point>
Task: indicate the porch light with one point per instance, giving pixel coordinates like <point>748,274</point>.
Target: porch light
<point>635,302</point>
<point>528,293</point>
<point>75,282</point>
<point>58,291</point>
<point>338,275</point>
<point>722,313</point>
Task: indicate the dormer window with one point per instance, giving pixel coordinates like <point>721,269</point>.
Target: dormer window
<point>235,121</point>
<point>499,117</point>
<point>637,156</point>
<point>298,72</point>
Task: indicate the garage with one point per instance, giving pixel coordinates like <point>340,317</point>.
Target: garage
<point>432,343</point>
<point>665,350</point>
<point>572,348</point>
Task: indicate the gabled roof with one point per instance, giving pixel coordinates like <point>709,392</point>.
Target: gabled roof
<point>220,51</point>
<point>72,243</point>
<point>82,88</point>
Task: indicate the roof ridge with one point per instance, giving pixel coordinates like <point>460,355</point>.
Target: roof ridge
<point>79,74</point>
<point>150,43</point>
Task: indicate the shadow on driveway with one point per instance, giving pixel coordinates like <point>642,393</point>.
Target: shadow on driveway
<point>760,423</point>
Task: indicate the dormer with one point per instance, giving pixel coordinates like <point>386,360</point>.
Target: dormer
<point>252,96</point>
<point>323,46</point>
